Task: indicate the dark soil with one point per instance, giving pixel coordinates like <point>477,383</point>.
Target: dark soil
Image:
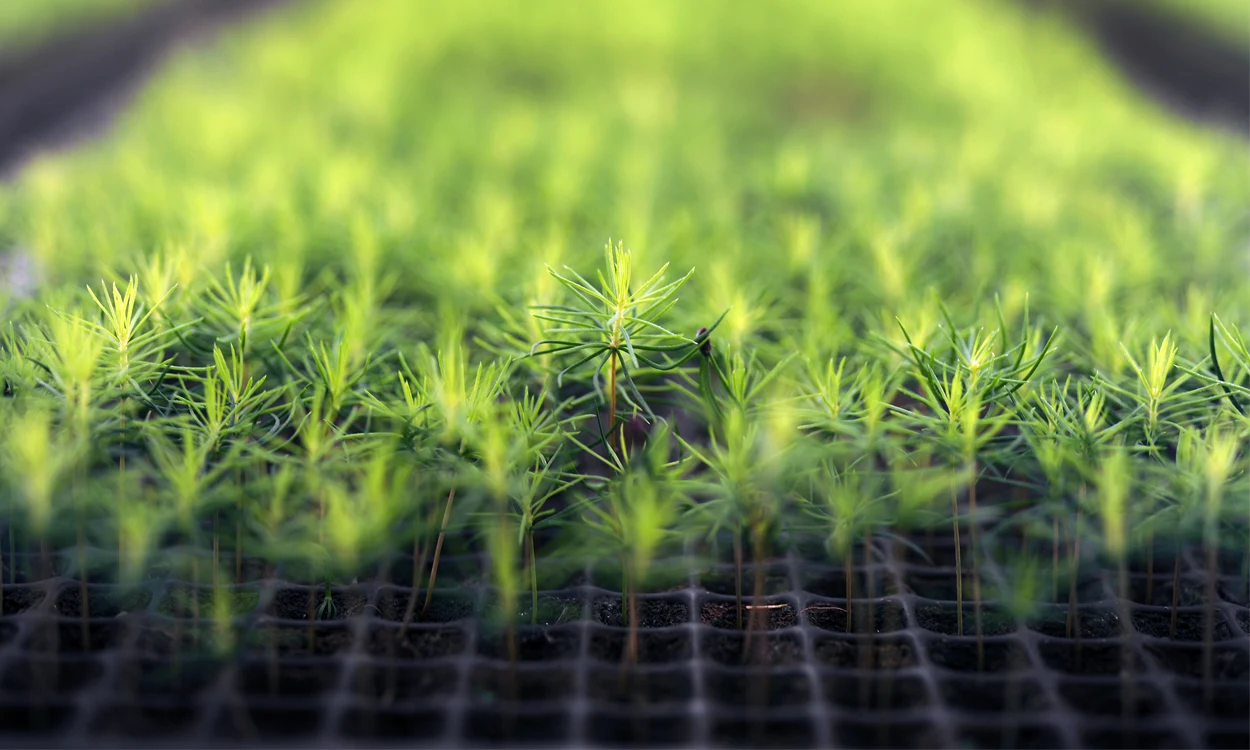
<point>18,600</point>
<point>185,601</point>
<point>723,613</point>
<point>292,604</point>
<point>652,613</point>
<point>1243,620</point>
<point>1011,734</point>
<point>887,616</point>
<point>870,692</point>
<point>262,677</point>
<point>993,694</point>
<point>64,676</point>
<point>445,606</point>
<point>942,587</point>
<point>650,730</point>
<point>721,580</point>
<point>654,647</point>
<point>553,609</point>
<point>515,683</point>
<point>903,734</point>
<point>731,731</point>
<point>148,721</point>
<point>69,637</point>
<point>1084,658</point>
<point>1228,700</point>
<point>1235,589</point>
<point>1190,626</point>
<point>1131,739</point>
<point>300,640</point>
<point>417,643</point>
<point>632,686</point>
<point>944,619</point>
<point>1107,697</point>
<point>533,644</point>
<point>992,656</point>
<point>394,725</point>
<point>103,602</point>
<point>831,583</point>
<point>1228,662</point>
<point>777,649</point>
<point>1088,622</point>
<point>856,653</point>
<point>162,678</point>
<point>1192,593</point>
<point>758,688</point>
<point>521,727</point>
<point>386,684</point>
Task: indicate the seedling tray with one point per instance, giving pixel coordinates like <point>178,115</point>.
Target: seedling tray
<point>141,671</point>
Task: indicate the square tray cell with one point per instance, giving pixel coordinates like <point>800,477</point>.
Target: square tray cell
<point>869,692</point>
<point>489,683</point>
<point>169,719</point>
<point>178,676</point>
<point>943,587</point>
<point>300,640</point>
<point>445,606</point>
<point>1023,735</point>
<point>1190,625</point>
<point>863,652</point>
<point>1085,658</point>
<point>1110,696</point>
<point>1096,621</point>
<point>200,602</point>
<point>19,599</point>
<point>1143,738</point>
<point>636,728</point>
<point>722,612</point>
<point>1227,662</point>
<point>634,686</point>
<point>62,676</point>
<point>736,649</point>
<point>654,647</point>
<point>1228,700</point>
<point>887,615</point>
<point>269,723</point>
<point>944,619</point>
<point>533,644</point>
<point>76,637</point>
<point>425,642</point>
<point>993,694</point>
<point>722,579</point>
<point>1157,591</point>
<point>514,726</point>
<point>102,601</point>
<point>830,583</point>
<point>393,725</point>
<point>258,677</point>
<point>757,688</point>
<point>387,683</point>
<point>653,611</point>
<point>762,731</point>
<point>966,655</point>
<point>292,603</point>
<point>882,732</point>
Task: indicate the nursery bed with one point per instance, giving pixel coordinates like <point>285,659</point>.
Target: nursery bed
<point>140,668</point>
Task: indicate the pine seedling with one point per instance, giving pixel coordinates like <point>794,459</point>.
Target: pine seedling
<point>641,507</point>
<point>614,327</point>
<point>1154,401</point>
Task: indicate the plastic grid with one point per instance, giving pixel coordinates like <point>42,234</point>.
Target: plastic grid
<point>133,676</point>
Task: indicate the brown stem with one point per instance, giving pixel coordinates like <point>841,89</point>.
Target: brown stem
<point>759,614</point>
<point>1072,625</point>
<point>850,588</point>
<point>82,581</point>
<point>631,646</point>
<point>532,561</point>
<point>216,551</point>
<point>959,566</point>
<point>438,550</point>
<point>1176,594</point>
<point>1208,633</point>
<point>1054,562</point>
<point>976,574</point>
<point>1150,567</point>
<point>738,573</point>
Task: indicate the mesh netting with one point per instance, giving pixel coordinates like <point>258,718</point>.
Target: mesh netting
<point>141,668</point>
